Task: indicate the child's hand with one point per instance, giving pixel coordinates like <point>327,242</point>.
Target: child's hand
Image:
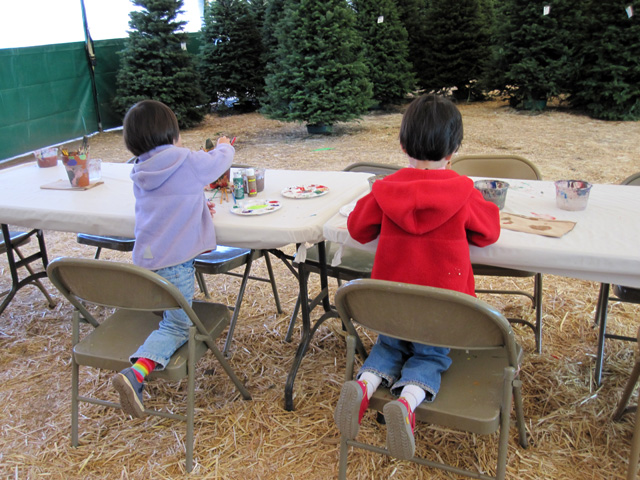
<point>212,208</point>
<point>224,140</point>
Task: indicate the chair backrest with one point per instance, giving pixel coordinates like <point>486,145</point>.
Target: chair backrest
<point>372,167</point>
<point>115,285</point>
<point>500,166</point>
<point>632,180</point>
<point>428,315</point>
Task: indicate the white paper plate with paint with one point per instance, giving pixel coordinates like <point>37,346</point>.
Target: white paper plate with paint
<point>255,207</point>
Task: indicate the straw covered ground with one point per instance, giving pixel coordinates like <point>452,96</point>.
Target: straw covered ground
<point>568,419</point>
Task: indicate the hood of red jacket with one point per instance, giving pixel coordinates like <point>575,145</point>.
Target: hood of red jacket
<point>420,201</point>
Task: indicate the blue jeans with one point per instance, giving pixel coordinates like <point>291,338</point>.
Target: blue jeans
<point>401,363</point>
<point>173,330</point>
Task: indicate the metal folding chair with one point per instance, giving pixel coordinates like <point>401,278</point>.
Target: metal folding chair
<point>135,293</point>
<point>620,294</point>
<point>506,166</point>
<point>476,392</point>
<point>9,244</point>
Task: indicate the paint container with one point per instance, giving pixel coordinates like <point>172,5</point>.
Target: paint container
<point>494,191</point>
<point>572,194</point>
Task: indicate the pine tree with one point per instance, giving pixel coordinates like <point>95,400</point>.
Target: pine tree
<point>458,40</point>
<point>413,15</point>
<point>155,66</point>
<point>272,16</point>
<point>386,49</point>
<point>534,59</point>
<point>608,86</point>
<point>231,56</point>
<point>318,75</point>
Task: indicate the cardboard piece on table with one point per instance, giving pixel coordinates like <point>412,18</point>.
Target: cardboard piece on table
<point>538,226</point>
<point>65,185</point>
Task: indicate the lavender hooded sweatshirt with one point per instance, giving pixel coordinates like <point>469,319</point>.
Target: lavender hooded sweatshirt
<point>173,222</point>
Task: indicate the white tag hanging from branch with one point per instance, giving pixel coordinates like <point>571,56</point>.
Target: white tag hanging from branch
<point>546,10</point>
<point>381,19</point>
<point>629,11</point>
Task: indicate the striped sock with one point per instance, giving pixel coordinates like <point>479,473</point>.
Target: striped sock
<point>142,367</point>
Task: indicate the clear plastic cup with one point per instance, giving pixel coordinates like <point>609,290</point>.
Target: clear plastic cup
<point>572,194</point>
<point>259,171</point>
<point>494,191</point>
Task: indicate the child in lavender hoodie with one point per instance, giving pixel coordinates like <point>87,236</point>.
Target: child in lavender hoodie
<point>173,226</point>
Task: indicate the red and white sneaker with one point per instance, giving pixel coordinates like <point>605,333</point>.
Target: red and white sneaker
<point>400,422</point>
<point>351,406</point>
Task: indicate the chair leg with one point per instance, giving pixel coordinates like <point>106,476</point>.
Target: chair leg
<point>37,281</point>
<point>191,365</point>
<point>202,284</point>
<point>635,449</point>
<point>229,371</point>
<point>75,372</point>
<point>98,251</point>
<point>272,279</point>
<point>601,319</point>
<point>628,390</point>
<point>519,410</point>
<point>344,451</point>
<point>236,309</point>
<point>294,317</point>
<point>505,417</point>
<point>537,294</point>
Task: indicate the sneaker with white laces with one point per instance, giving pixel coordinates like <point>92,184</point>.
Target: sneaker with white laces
<point>400,422</point>
<point>130,391</point>
<point>351,406</point>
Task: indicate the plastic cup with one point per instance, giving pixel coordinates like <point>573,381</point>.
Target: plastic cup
<point>494,191</point>
<point>572,194</point>
<point>94,165</point>
<point>47,157</point>
<point>259,179</point>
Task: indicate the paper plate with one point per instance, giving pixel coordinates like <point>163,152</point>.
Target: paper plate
<point>255,207</point>
<point>347,209</point>
<point>305,191</point>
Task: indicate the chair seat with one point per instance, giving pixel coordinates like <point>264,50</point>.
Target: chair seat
<point>627,294</point>
<point>222,260</point>
<point>17,239</point>
<point>122,244</point>
<point>355,263</point>
<point>492,271</point>
<point>470,394</point>
<point>96,349</point>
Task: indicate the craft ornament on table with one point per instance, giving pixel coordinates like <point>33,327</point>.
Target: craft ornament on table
<point>538,226</point>
<point>305,191</point>
<point>76,164</point>
<point>223,183</point>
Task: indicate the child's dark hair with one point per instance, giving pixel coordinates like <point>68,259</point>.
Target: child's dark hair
<point>149,124</point>
<point>431,128</point>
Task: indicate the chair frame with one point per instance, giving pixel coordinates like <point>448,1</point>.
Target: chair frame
<point>370,303</point>
<point>251,255</point>
<point>622,294</point>
<point>10,245</point>
<point>516,167</point>
<point>623,408</point>
<point>136,293</point>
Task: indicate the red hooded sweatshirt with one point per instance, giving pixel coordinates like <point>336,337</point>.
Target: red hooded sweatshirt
<point>426,220</point>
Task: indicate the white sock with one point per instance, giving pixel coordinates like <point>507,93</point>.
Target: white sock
<point>372,381</point>
<point>414,395</point>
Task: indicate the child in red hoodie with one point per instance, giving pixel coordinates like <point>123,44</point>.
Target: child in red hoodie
<point>425,217</point>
